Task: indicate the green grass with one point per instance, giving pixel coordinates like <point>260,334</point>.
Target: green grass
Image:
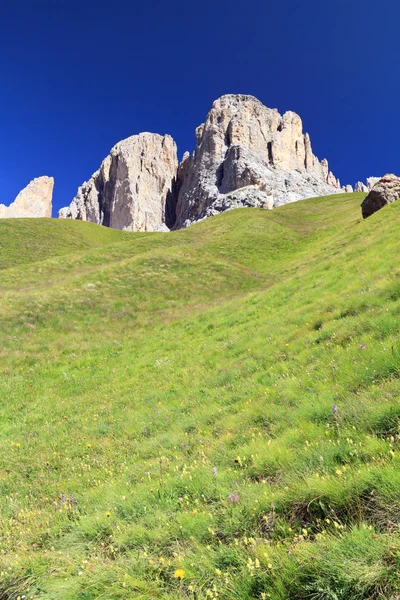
<point>26,240</point>
<point>166,403</point>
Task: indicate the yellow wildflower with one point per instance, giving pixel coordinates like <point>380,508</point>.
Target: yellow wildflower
<point>179,574</point>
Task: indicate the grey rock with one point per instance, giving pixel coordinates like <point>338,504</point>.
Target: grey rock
<point>34,201</point>
<point>246,155</point>
<point>385,191</point>
<point>245,145</point>
<point>360,187</point>
<point>163,228</point>
<point>131,189</point>
<point>249,196</point>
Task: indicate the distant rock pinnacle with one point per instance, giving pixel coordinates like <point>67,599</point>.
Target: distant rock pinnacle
<point>33,201</point>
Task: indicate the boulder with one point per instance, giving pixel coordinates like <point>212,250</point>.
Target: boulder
<point>348,189</point>
<point>34,201</point>
<point>132,188</point>
<point>244,144</point>
<point>385,191</point>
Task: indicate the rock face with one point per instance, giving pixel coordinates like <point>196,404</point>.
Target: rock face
<point>348,189</point>
<point>386,191</point>
<point>132,188</point>
<point>360,187</point>
<point>33,201</point>
<point>248,154</point>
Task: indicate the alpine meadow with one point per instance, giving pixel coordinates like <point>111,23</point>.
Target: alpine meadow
<point>207,413</point>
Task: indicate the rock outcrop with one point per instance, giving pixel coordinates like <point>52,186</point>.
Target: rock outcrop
<point>385,191</point>
<point>360,187</point>
<point>34,201</point>
<point>348,189</point>
<point>132,188</point>
<point>248,154</point>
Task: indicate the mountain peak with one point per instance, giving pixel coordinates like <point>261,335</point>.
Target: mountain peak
<point>246,154</point>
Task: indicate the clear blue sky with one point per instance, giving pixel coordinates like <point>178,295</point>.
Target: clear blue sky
<point>78,76</point>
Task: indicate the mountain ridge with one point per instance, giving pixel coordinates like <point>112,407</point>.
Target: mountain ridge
<point>246,155</point>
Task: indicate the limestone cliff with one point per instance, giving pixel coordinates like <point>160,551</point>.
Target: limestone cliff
<point>33,201</point>
<point>248,154</point>
<point>132,186</point>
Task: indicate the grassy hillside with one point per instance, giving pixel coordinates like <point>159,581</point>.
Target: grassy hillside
<point>212,413</point>
<point>26,240</point>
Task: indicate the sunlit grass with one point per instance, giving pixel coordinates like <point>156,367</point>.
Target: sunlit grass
<point>167,407</point>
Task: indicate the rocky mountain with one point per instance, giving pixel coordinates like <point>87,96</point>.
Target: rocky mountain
<point>33,201</point>
<point>246,155</point>
<point>132,186</point>
<point>362,187</point>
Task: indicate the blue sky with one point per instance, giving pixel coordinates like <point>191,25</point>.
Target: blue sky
<point>78,76</point>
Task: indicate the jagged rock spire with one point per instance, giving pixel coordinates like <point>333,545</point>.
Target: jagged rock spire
<point>244,144</point>
<point>33,201</point>
<point>246,155</point>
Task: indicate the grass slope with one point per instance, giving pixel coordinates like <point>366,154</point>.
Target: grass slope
<point>167,409</point>
<point>26,240</point>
